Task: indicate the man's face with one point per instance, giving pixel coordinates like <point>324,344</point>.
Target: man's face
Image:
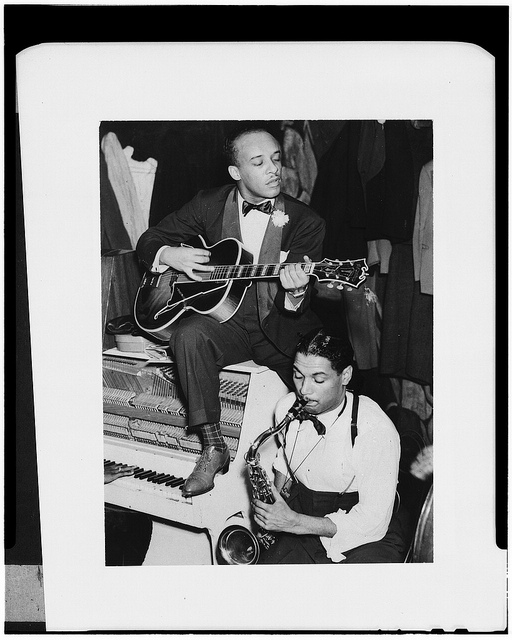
<point>258,172</point>
<point>317,382</point>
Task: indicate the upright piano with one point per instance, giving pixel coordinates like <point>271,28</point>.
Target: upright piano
<point>145,424</point>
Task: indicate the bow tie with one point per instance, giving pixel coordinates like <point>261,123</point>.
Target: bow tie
<point>265,207</point>
<point>303,416</point>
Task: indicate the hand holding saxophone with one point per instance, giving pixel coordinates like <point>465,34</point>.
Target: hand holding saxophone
<point>277,516</point>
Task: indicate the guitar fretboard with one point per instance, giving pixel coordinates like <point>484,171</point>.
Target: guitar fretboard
<point>349,272</point>
<point>251,271</point>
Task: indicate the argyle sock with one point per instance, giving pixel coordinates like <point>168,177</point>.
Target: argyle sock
<point>212,435</point>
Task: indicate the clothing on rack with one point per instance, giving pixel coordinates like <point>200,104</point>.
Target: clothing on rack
<point>299,163</point>
<point>143,175</point>
<point>338,196</point>
<point>123,186</point>
<point>363,319</point>
<point>114,235</point>
<point>423,235</point>
<point>407,322</point>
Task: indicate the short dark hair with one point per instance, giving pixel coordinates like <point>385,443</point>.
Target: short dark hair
<point>325,344</point>
<point>230,143</point>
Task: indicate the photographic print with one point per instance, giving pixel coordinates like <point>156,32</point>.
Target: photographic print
<point>263,295</point>
<point>371,184</point>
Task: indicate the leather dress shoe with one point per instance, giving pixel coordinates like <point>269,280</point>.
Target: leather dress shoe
<point>200,481</point>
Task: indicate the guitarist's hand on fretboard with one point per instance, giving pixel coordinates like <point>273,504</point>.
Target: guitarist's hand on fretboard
<point>293,278</point>
<point>187,260</point>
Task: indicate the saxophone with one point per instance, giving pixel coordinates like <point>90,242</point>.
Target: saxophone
<point>237,544</point>
<point>261,486</point>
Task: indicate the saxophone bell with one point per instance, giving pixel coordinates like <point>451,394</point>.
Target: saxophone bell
<point>238,545</point>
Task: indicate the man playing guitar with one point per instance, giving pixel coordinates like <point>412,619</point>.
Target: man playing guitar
<point>270,316</point>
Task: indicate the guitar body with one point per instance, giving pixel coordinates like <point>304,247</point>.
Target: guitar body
<point>165,297</point>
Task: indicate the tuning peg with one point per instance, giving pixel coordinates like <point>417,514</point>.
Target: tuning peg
<point>340,287</point>
<point>330,285</point>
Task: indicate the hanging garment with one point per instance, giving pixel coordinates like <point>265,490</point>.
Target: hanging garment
<point>391,193</point>
<point>371,154</point>
<point>362,309</point>
<point>423,235</point>
<point>143,174</point>
<point>379,253</point>
<point>323,133</point>
<point>338,196</point>
<point>290,182</point>
<point>414,396</point>
<point>190,158</point>
<point>371,157</point>
<point>407,322</point>
<point>113,232</point>
<point>308,169</point>
<point>123,187</point>
<point>300,169</point>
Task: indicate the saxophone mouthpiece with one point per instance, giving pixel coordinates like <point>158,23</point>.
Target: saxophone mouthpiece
<point>296,408</point>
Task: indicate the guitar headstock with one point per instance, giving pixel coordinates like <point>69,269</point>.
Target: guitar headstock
<point>351,273</point>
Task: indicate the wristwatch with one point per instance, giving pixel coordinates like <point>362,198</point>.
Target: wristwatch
<point>298,293</point>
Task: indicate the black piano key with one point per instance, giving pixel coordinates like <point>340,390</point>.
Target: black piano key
<point>151,476</point>
<point>143,476</point>
<point>157,477</point>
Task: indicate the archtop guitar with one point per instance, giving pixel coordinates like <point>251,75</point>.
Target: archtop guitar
<point>163,298</point>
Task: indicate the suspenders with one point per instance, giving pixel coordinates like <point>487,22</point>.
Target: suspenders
<point>353,422</point>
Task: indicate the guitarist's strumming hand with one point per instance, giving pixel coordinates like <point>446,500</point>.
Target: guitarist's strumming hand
<point>293,278</point>
<point>187,260</point>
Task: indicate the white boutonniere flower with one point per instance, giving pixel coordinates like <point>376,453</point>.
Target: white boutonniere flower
<point>279,218</point>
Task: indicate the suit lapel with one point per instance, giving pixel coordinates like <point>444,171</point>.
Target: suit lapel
<point>270,253</point>
<point>231,219</point>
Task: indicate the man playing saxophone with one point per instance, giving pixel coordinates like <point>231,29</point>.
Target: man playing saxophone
<point>336,472</point>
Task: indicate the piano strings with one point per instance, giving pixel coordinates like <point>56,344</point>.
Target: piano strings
<point>143,403</point>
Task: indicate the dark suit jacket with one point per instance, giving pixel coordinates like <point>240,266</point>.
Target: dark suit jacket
<point>211,214</point>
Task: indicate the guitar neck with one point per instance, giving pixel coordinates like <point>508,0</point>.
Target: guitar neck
<point>245,272</point>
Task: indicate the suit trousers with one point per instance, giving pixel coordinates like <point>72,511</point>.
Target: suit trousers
<point>202,346</point>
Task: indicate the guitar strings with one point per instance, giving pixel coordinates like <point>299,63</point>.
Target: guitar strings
<point>250,271</point>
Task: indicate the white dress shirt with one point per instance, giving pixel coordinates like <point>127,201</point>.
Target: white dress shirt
<point>253,227</point>
<point>330,463</point>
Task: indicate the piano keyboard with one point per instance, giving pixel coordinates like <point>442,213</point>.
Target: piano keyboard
<point>151,470</point>
<point>165,479</point>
